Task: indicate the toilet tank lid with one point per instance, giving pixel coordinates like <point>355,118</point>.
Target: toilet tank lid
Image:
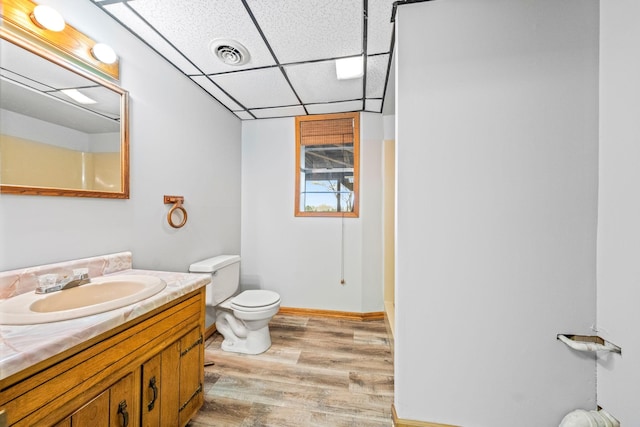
<point>210,265</point>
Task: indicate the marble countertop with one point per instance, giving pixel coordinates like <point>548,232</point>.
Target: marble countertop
<point>22,346</point>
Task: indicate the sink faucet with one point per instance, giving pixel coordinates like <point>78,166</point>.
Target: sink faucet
<point>50,284</point>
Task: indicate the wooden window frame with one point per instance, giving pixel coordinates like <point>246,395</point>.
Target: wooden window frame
<point>356,165</point>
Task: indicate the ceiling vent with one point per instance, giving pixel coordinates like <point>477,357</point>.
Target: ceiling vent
<point>230,52</point>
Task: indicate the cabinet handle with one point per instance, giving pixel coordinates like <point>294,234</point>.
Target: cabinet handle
<point>122,409</point>
<point>154,387</point>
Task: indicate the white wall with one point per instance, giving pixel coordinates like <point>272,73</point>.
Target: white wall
<point>182,142</point>
<point>104,142</point>
<point>19,125</point>
<point>619,208</point>
<point>497,127</point>
<point>25,127</point>
<point>301,257</point>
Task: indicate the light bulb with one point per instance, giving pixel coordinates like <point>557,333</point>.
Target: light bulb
<point>48,18</point>
<point>104,53</point>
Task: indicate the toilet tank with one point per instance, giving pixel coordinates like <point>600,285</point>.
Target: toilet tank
<point>225,276</point>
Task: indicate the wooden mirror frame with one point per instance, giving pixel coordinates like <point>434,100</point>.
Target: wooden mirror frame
<point>17,28</point>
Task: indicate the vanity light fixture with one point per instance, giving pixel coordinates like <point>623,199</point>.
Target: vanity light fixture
<point>78,96</point>
<point>104,53</point>
<point>48,18</point>
<point>350,68</point>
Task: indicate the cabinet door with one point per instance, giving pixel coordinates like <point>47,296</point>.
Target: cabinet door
<point>94,413</point>
<point>115,407</point>
<point>124,403</point>
<point>191,374</point>
<point>170,387</point>
<point>151,397</point>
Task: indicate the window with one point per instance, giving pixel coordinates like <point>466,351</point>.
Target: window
<point>327,165</point>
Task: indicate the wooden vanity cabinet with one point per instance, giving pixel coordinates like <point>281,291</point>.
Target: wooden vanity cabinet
<point>147,372</point>
<point>94,413</point>
<point>114,407</point>
<point>171,383</point>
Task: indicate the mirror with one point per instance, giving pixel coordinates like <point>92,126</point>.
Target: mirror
<point>51,142</point>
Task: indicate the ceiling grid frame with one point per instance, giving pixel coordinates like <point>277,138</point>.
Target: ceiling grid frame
<point>377,23</point>
<point>275,58</point>
<point>168,42</point>
<point>365,25</point>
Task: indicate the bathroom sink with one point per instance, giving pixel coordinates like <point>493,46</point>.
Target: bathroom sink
<point>102,294</point>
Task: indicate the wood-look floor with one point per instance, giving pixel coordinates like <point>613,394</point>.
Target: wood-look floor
<point>318,372</point>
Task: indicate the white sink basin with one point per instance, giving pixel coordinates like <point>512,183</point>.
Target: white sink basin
<point>102,294</point>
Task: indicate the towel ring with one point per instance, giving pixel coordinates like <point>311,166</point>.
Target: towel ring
<point>177,205</point>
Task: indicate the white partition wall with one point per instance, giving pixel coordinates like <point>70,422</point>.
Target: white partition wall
<point>619,209</point>
<point>497,145</point>
<point>304,258</point>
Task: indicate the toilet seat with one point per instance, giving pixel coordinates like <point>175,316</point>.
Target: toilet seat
<point>255,300</point>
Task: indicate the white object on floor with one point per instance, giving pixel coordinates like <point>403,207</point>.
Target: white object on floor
<point>243,320</point>
<point>582,418</point>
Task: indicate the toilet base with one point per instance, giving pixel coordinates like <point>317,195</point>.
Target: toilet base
<point>247,347</point>
<point>247,337</point>
<point>256,342</point>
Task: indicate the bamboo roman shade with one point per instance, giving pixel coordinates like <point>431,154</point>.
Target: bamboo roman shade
<point>322,132</point>
<point>327,165</point>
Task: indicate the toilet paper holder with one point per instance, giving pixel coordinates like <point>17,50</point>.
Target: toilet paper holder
<point>588,343</point>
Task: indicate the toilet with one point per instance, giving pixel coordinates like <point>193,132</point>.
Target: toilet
<point>243,320</point>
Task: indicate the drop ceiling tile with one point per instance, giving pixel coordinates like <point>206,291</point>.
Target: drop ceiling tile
<point>295,110</point>
<point>317,82</point>
<point>376,75</point>
<point>191,28</point>
<point>13,77</point>
<point>380,28</point>
<point>130,20</point>
<point>298,31</point>
<point>374,105</point>
<point>243,115</point>
<point>217,93</point>
<point>68,114</point>
<point>257,88</point>
<point>303,30</point>
<point>334,107</point>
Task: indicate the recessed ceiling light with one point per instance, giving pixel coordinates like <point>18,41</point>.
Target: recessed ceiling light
<point>77,96</point>
<point>48,18</point>
<point>104,53</point>
<point>349,68</point>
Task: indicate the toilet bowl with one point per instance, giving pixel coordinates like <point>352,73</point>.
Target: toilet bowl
<point>243,320</point>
